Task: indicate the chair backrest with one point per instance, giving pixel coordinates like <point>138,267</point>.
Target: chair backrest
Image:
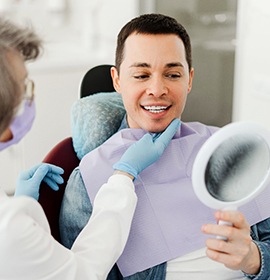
<point>62,155</point>
<point>97,79</point>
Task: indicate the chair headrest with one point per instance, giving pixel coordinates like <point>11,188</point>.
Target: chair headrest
<point>94,119</point>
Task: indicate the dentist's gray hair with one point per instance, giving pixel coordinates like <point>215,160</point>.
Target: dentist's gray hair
<point>25,41</point>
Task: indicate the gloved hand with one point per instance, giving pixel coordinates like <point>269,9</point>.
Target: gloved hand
<point>146,151</point>
<point>29,181</point>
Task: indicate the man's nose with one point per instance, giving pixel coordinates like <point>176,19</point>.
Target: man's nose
<point>156,87</point>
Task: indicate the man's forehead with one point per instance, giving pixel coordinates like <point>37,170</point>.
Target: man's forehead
<point>145,44</point>
<point>145,51</point>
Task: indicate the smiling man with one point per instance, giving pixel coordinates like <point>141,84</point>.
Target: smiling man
<point>154,81</point>
<point>153,73</point>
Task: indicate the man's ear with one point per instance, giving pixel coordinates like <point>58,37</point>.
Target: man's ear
<point>191,75</point>
<point>115,79</point>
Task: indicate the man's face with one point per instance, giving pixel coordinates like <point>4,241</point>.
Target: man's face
<point>154,80</point>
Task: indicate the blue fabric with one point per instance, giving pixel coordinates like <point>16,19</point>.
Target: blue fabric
<point>94,119</point>
<point>260,233</point>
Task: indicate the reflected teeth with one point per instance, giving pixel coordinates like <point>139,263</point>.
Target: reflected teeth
<point>155,109</point>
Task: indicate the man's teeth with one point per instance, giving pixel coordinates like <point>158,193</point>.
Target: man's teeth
<point>155,109</point>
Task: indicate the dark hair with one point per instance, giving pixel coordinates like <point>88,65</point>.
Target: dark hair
<point>25,41</point>
<point>152,24</point>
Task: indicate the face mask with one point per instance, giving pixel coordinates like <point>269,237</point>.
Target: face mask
<point>21,124</point>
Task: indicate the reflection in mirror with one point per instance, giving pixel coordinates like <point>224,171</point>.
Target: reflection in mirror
<point>237,167</point>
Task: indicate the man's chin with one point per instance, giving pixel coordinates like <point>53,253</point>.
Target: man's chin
<point>157,127</point>
<point>151,125</point>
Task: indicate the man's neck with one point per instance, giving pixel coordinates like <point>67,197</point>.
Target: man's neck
<point>124,123</point>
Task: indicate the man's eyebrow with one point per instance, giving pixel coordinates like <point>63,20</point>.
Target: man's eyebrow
<point>147,65</point>
<point>174,64</point>
<point>140,64</point>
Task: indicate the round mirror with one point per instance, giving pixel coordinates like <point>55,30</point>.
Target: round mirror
<point>233,165</point>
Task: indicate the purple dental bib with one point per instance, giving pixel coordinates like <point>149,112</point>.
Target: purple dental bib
<point>168,217</point>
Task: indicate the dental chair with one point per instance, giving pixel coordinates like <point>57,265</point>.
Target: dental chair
<point>93,83</point>
<point>62,155</point>
<point>97,79</point>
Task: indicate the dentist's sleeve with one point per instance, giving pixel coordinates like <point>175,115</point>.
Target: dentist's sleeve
<point>28,251</point>
<point>108,227</point>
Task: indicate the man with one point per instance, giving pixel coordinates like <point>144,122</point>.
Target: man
<point>153,73</point>
<point>27,250</point>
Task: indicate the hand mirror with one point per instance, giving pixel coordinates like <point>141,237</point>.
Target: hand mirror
<point>233,166</point>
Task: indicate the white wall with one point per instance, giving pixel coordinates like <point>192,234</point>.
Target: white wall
<point>77,38</point>
<point>252,72</point>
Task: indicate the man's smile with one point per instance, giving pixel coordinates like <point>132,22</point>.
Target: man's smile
<point>156,109</point>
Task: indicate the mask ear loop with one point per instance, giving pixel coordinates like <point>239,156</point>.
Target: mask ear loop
<point>27,98</point>
<point>30,86</point>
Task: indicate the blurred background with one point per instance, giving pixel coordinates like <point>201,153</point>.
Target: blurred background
<point>230,56</point>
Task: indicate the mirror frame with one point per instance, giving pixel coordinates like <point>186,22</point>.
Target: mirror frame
<point>206,151</point>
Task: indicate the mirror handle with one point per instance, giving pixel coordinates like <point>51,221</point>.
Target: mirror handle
<point>220,222</point>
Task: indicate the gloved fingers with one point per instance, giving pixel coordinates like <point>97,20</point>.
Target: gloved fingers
<point>165,137</point>
<point>43,168</point>
<point>51,183</point>
<point>55,177</point>
<point>29,181</point>
<point>53,168</point>
<point>147,138</point>
<point>40,174</point>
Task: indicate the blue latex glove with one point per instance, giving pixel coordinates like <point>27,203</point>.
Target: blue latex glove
<point>146,151</point>
<point>29,181</point>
